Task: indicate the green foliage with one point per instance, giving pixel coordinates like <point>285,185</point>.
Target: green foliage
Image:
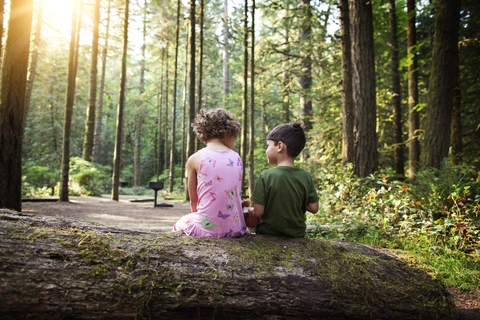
<point>39,176</point>
<point>88,179</point>
<point>439,218</point>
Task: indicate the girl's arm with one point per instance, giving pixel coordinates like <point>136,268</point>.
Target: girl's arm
<point>193,166</point>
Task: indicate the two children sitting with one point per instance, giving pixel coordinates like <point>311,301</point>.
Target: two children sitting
<point>282,194</point>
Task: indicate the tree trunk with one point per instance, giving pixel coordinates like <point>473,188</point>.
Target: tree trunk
<point>251,178</point>
<point>191,89</point>
<point>92,92</point>
<point>363,62</point>
<point>2,12</point>
<point>225,54</point>
<point>166,112</point>
<point>174,108</point>
<point>33,59</point>
<point>442,83</point>
<point>98,126</point>
<point>117,155</point>
<point>184,109</point>
<point>413,119</point>
<point>200,65</point>
<point>12,103</point>
<point>348,154</point>
<point>160,142</point>
<point>396,98</point>
<point>456,138</point>
<point>306,66</point>
<point>286,72</point>
<point>137,173</point>
<point>69,269</point>
<point>70,98</point>
<point>52,117</point>
<point>243,143</point>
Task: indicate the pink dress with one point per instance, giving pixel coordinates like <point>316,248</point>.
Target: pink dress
<point>219,209</point>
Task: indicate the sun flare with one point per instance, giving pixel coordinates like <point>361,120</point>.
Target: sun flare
<point>57,15</point>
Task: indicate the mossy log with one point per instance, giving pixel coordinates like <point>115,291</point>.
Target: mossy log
<point>55,268</point>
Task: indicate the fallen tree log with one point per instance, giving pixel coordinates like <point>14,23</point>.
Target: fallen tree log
<point>55,268</point>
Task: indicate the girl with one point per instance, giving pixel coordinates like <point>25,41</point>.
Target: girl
<point>214,179</point>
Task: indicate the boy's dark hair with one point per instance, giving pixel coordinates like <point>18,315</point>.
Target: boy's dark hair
<point>216,123</point>
<point>292,135</point>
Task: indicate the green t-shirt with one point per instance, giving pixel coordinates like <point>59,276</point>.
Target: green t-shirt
<point>285,192</point>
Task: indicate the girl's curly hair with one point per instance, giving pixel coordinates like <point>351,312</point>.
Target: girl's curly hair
<point>216,123</point>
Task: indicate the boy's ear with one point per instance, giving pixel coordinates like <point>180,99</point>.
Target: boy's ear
<point>280,146</point>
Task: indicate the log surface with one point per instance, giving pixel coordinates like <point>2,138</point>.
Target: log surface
<point>55,268</point>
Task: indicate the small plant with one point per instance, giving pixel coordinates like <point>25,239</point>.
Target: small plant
<point>88,179</point>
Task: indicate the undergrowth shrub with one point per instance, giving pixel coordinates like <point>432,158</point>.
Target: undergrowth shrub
<point>438,216</point>
<point>88,178</point>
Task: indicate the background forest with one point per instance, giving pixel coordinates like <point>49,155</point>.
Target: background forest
<point>391,109</point>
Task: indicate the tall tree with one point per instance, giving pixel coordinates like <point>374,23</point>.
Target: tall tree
<point>251,178</point>
<point>361,19</point>
<point>184,108</point>
<point>413,118</point>
<point>160,98</point>
<point>12,104</point>
<point>117,155</point>
<point>286,72</point>
<point>137,175</point>
<point>33,59</point>
<point>70,97</point>
<point>2,12</point>
<point>306,66</point>
<point>442,83</point>
<point>200,64</point>
<point>396,98</point>
<point>98,126</point>
<point>174,107</point>
<point>92,92</point>
<point>225,53</point>
<point>243,146</point>
<point>191,89</point>
<point>456,137</point>
<point>166,110</point>
<point>348,154</point>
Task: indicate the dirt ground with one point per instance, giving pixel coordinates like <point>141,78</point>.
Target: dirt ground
<point>126,213</point>
<point>139,213</point>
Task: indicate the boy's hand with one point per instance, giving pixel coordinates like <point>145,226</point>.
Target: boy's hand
<point>251,220</point>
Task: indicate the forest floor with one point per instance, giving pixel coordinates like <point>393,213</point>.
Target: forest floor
<point>136,212</point>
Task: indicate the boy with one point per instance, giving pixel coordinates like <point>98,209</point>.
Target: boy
<point>284,193</point>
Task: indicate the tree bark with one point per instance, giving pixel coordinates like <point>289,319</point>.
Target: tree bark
<point>98,126</point>
<point>306,66</point>
<point>191,89</point>
<point>413,119</point>
<point>137,172</point>
<point>200,65</point>
<point>174,107</point>
<point>166,110</point>
<point>2,13</point>
<point>456,137</point>
<point>286,71</point>
<point>69,269</point>
<point>251,178</point>
<point>92,91</point>
<point>160,98</point>
<point>225,54</point>
<point>117,155</point>
<point>184,109</point>
<point>361,28</point>
<point>442,83</point>
<point>348,154</point>
<point>12,103</point>
<point>33,60</point>
<point>243,142</point>
<point>70,98</point>
<point>396,97</point>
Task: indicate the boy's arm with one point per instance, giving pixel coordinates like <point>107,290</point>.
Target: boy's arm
<point>312,207</point>
<point>258,209</point>
<point>193,166</point>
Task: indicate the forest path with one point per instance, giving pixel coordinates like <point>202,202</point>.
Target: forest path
<point>124,213</point>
